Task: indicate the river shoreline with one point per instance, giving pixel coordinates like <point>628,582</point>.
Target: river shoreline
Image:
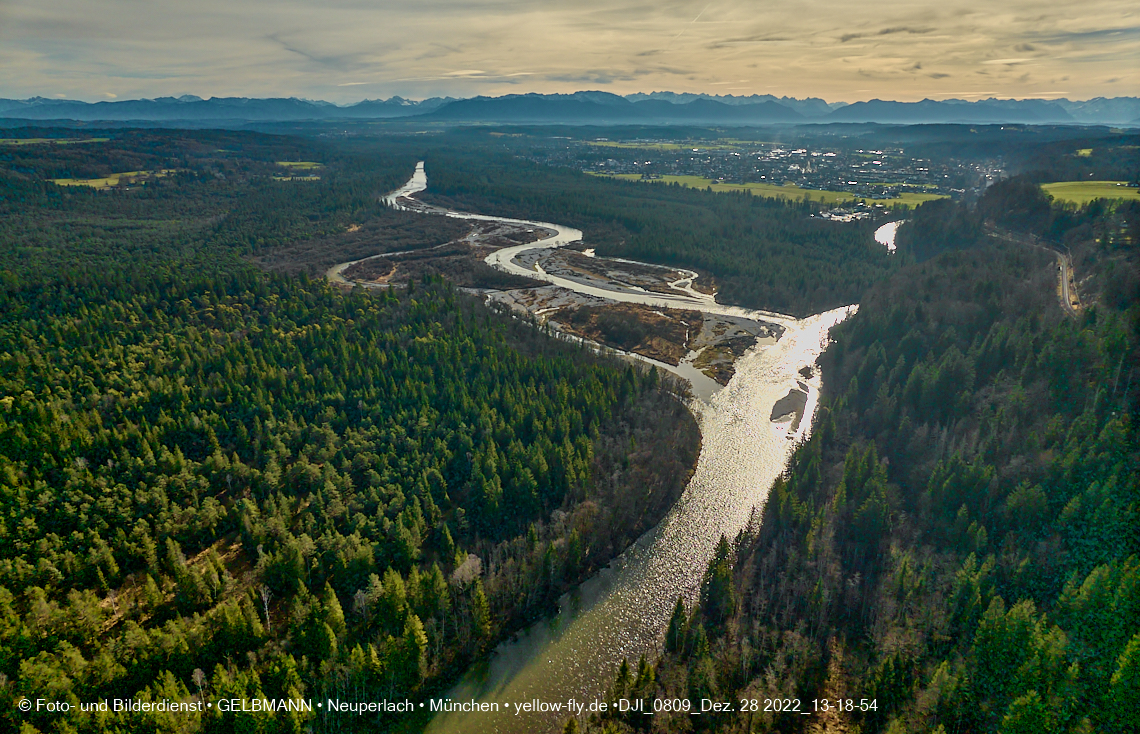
<point>621,612</point>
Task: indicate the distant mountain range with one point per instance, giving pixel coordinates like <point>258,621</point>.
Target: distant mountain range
<point>606,108</point>
<point>191,108</point>
<point>588,108</point>
<point>810,107</point>
<point>1116,111</point>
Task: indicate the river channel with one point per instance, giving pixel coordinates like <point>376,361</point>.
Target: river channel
<point>622,612</point>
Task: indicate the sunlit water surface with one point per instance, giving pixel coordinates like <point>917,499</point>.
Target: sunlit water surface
<point>622,612</point>
<point>885,235</point>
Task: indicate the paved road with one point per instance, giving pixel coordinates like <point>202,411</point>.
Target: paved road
<point>1070,300</point>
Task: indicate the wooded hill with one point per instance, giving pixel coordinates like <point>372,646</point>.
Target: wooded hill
<point>958,539</point>
<point>219,482</point>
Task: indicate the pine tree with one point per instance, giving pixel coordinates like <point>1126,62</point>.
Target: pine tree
<point>480,610</point>
<point>678,628</point>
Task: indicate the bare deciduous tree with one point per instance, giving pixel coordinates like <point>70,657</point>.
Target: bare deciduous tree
<point>266,595</point>
<point>199,679</point>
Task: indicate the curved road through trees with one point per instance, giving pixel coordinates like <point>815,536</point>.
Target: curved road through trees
<point>1067,289</point>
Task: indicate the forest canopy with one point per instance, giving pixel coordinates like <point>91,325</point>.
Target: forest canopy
<point>225,482</point>
<point>957,542</point>
<point>763,253</point>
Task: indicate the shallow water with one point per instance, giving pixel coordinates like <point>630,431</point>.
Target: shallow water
<point>622,612</point>
<point>885,235</point>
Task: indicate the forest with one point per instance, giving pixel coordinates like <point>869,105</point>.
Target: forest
<point>225,482</point>
<point>224,478</point>
<point>763,253</point>
<point>957,542</point>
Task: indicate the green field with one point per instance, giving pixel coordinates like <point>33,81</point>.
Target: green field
<point>790,191</point>
<point>300,165</point>
<point>53,141</point>
<point>1082,192</point>
<point>738,142</point>
<point>905,185</point>
<point>1084,153</point>
<point>112,180</point>
<point>663,146</point>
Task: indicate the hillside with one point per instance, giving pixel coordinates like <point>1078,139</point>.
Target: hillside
<point>957,543</point>
<point>224,482</point>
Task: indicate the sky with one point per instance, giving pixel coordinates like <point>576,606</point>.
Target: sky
<point>346,50</point>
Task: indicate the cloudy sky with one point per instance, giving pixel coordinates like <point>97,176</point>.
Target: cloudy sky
<point>346,50</point>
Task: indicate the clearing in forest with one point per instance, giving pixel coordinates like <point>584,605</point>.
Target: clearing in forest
<point>1082,192</point>
<point>51,141</point>
<point>113,179</point>
<point>787,191</point>
<point>664,146</point>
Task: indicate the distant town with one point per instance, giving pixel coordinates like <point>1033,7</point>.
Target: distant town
<point>887,174</point>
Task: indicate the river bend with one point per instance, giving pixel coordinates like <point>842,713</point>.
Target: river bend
<point>622,611</point>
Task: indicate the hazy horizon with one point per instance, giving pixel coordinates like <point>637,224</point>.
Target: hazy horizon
<point>350,102</point>
<point>347,50</point>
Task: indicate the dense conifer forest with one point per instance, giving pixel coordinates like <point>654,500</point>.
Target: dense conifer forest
<point>958,540</point>
<point>223,478</point>
<point>227,483</point>
<point>763,253</point>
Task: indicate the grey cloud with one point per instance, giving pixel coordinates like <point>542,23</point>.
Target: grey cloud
<point>885,32</point>
<point>591,77</point>
<point>437,51</point>
<point>1101,34</point>
<point>747,41</point>
<point>904,29</point>
<point>341,62</point>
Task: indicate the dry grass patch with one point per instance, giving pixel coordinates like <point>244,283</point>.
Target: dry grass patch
<point>112,180</point>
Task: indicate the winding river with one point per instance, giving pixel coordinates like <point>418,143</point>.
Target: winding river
<point>622,612</point>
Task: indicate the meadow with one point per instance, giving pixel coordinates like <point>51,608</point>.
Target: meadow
<point>1082,192</point>
<point>113,179</point>
<point>51,141</point>
<point>790,191</point>
<point>662,146</point>
<point>299,165</point>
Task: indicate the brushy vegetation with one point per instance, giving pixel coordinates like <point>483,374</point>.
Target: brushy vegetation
<point>220,482</point>
<point>958,539</point>
<point>226,483</point>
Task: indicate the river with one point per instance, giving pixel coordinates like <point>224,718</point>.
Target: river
<point>622,612</point>
<point>885,235</point>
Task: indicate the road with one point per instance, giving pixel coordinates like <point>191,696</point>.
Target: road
<point>1067,291</point>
